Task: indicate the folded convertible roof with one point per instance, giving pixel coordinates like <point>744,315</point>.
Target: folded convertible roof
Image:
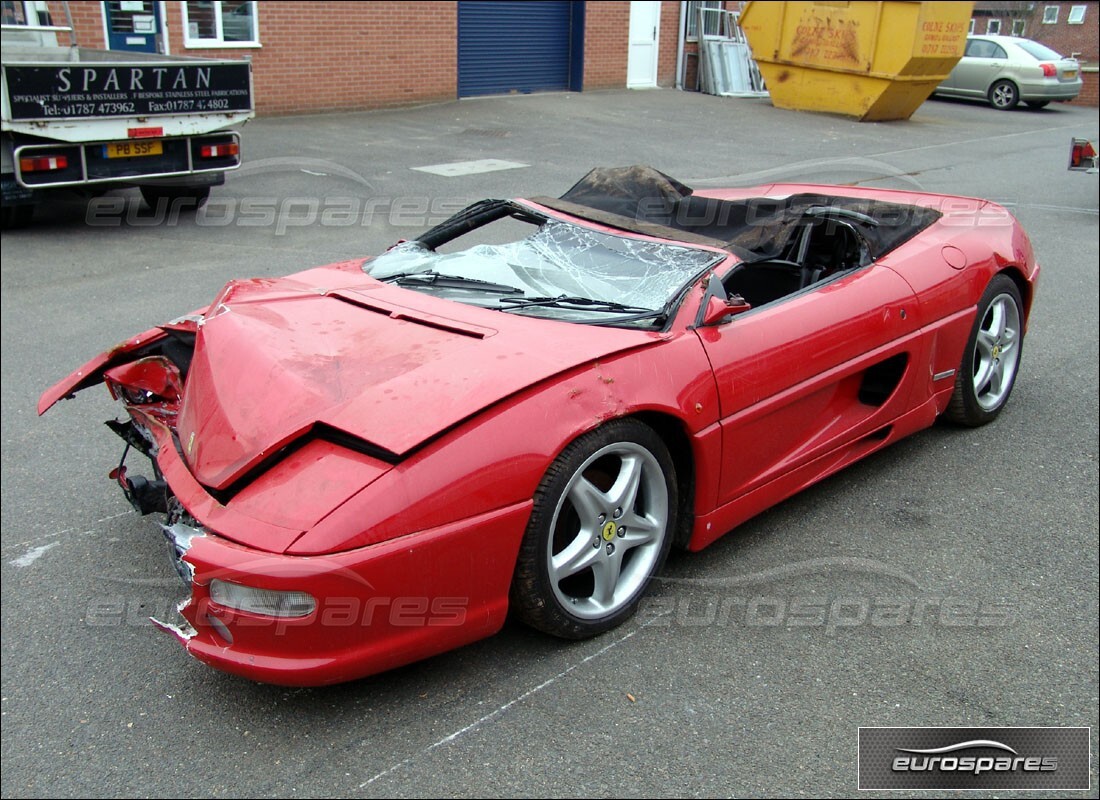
<point>643,200</point>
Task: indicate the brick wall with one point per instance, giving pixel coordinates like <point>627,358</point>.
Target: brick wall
<point>606,37</point>
<point>670,34</point>
<point>87,21</point>
<point>324,56</point>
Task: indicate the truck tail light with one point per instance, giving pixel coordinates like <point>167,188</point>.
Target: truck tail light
<point>220,150</point>
<point>1049,70</point>
<point>43,163</point>
<point>1081,152</point>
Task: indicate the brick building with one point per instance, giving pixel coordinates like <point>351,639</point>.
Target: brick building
<point>1071,28</point>
<point>322,56</point>
<point>325,56</point>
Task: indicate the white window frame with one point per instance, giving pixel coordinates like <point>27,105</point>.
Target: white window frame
<point>218,42</point>
<point>692,11</point>
<point>1076,15</point>
<point>1019,27</point>
<point>1050,18</point>
<point>993,27</point>
<point>33,12</point>
<point>973,22</point>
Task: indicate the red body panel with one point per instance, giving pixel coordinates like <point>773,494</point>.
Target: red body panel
<point>378,362</point>
<point>379,448</point>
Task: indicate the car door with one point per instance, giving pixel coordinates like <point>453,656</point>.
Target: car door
<point>983,63</point>
<point>804,375</point>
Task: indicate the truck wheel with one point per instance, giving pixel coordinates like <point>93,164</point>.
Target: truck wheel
<point>16,216</point>
<point>185,198</point>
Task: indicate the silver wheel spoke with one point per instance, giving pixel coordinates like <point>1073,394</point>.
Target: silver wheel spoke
<point>639,531</point>
<point>997,320</point>
<point>986,342</point>
<point>578,556</point>
<point>996,376</point>
<point>589,501</point>
<point>982,375</point>
<point>624,493</point>
<point>607,572</point>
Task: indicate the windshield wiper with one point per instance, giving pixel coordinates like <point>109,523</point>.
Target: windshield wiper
<point>565,301</point>
<point>448,282</point>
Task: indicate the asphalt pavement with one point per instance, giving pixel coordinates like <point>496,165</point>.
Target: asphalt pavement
<point>951,579</point>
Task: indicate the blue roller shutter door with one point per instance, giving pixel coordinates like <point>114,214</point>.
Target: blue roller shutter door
<point>506,47</point>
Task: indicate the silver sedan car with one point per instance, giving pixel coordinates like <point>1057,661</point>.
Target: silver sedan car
<point>1005,70</point>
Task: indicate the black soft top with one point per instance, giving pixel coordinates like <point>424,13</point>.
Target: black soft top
<point>642,200</point>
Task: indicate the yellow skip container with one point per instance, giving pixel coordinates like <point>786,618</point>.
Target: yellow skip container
<point>872,60</point>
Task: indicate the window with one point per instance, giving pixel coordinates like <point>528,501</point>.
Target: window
<point>983,48</point>
<point>19,13</point>
<point>208,23</point>
<point>693,7</point>
<point>1040,52</point>
<point>1076,15</point>
<point>971,28</point>
<point>1019,27</point>
<point>993,27</point>
<point>1050,15</point>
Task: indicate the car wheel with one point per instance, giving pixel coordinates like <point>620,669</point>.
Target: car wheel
<point>1004,95</point>
<point>992,357</point>
<point>185,198</point>
<point>1037,104</point>
<point>600,528</point>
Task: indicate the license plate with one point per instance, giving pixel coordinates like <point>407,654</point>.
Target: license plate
<point>133,149</point>
<point>1070,74</point>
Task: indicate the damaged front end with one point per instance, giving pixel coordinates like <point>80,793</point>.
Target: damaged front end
<point>146,374</point>
<point>151,389</point>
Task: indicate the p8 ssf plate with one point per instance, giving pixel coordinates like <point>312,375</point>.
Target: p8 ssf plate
<point>133,149</point>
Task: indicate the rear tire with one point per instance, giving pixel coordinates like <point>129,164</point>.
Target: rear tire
<point>184,198</point>
<point>991,360</point>
<point>1004,96</point>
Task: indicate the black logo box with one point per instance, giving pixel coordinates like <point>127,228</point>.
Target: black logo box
<point>1056,759</point>
<point>68,91</point>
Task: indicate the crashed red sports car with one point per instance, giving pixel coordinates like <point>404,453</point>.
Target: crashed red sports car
<point>524,409</point>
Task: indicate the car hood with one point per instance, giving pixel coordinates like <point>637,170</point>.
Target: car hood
<point>277,361</point>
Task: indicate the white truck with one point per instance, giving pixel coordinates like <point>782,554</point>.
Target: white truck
<point>77,118</point>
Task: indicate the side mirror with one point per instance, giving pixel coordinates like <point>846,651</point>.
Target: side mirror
<point>718,311</point>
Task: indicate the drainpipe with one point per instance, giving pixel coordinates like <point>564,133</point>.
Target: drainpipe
<point>680,45</point>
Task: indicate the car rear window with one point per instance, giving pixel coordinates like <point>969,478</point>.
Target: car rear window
<point>1038,51</point>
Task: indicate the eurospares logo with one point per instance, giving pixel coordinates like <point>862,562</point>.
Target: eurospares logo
<point>974,758</point>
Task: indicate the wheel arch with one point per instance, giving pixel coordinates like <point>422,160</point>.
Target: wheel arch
<point>1022,284</point>
<point>676,438</point>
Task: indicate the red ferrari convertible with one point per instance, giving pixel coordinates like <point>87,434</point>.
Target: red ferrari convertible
<point>524,409</point>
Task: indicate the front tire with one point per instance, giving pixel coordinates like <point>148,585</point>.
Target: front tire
<point>1004,96</point>
<point>601,526</point>
<point>992,357</point>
